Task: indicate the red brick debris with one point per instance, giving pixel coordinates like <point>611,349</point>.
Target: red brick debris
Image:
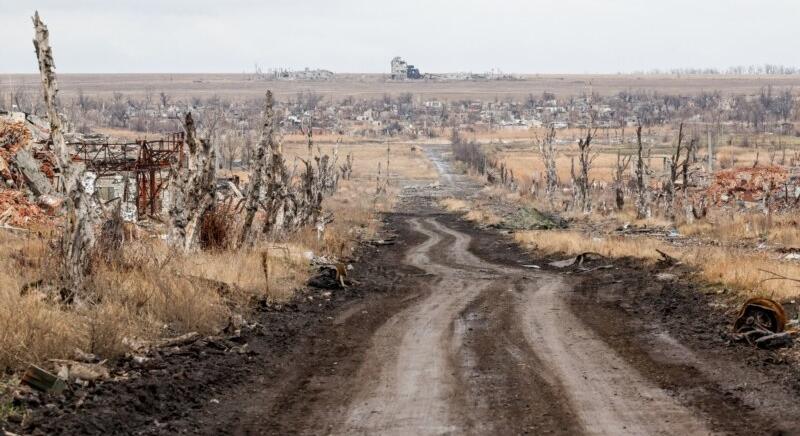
<point>15,207</point>
<point>16,210</point>
<point>748,184</point>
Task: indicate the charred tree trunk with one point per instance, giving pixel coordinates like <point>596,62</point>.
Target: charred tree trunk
<point>619,176</point>
<point>78,238</point>
<point>584,197</point>
<point>548,152</point>
<point>346,169</point>
<point>673,164</point>
<point>642,195</point>
<point>687,201</point>
<point>258,174</point>
<point>193,188</point>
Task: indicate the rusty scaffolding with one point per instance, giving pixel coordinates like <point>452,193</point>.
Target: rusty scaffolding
<point>151,161</point>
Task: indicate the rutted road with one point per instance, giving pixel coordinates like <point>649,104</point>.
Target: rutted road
<point>414,368</point>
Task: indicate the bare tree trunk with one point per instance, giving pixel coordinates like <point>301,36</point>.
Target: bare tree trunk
<point>619,175</point>
<point>585,159</point>
<point>258,175</point>
<point>78,238</point>
<point>672,177</point>
<point>346,169</point>
<point>642,200</point>
<point>687,203</point>
<point>44,55</point>
<point>193,188</point>
<point>548,152</point>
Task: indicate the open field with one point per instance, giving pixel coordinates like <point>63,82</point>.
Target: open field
<point>369,86</point>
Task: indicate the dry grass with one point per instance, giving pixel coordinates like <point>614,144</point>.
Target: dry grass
<point>149,291</point>
<point>406,161</point>
<point>738,269</point>
<point>480,215</point>
<point>733,227</point>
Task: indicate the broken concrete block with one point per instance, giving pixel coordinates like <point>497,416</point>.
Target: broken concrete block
<point>35,178</point>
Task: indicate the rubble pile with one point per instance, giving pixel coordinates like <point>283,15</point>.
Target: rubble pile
<point>751,186</point>
<point>26,171</point>
<point>17,211</point>
<point>13,136</point>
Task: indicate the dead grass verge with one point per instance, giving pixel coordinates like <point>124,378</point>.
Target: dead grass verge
<point>738,269</point>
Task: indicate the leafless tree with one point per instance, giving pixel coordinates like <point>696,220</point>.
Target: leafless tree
<point>258,174</point>
<point>346,169</point>
<point>548,153</point>
<point>586,158</point>
<point>674,165</point>
<point>642,193</point>
<point>619,174</point>
<point>78,237</point>
<point>164,98</point>
<point>192,189</point>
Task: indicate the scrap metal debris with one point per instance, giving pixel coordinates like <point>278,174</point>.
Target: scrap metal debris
<point>43,381</point>
<point>761,322</point>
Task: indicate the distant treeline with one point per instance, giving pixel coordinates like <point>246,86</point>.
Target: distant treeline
<point>741,70</point>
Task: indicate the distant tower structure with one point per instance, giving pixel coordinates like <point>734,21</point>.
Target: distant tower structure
<point>401,70</point>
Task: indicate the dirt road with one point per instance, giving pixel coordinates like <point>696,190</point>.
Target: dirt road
<point>447,332</point>
<point>414,371</point>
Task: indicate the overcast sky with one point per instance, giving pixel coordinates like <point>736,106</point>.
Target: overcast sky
<point>519,36</point>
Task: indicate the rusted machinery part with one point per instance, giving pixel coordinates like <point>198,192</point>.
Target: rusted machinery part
<point>762,313</point>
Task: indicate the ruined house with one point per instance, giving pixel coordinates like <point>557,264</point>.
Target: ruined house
<point>401,70</point>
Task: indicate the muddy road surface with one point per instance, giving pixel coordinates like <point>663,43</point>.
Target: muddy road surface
<point>448,332</point>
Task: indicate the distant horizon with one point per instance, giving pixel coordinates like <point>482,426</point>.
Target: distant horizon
<point>355,73</point>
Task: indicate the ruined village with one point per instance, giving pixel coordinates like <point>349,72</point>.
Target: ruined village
<point>305,251</point>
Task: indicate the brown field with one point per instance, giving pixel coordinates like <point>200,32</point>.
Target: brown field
<point>241,86</point>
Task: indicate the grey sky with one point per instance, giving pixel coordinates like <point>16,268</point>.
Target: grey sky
<point>533,36</point>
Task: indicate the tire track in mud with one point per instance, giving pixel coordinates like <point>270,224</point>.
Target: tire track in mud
<point>411,391</point>
<point>610,396</point>
<point>494,349</point>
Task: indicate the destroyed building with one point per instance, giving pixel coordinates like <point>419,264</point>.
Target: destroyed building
<point>133,172</point>
<point>306,74</point>
<point>401,70</point>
